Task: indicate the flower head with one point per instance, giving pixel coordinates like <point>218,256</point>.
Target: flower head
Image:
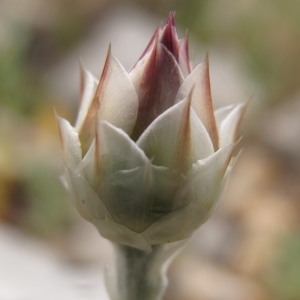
<point>148,156</point>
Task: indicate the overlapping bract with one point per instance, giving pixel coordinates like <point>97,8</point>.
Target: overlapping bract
<point>147,157</point>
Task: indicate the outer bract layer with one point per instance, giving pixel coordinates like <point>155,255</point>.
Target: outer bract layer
<point>147,158</point>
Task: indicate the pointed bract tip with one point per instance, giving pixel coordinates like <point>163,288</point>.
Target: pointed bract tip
<point>81,67</point>
<point>189,104</point>
<point>238,141</point>
<point>82,80</point>
<point>57,117</point>
<point>109,50</point>
<point>237,147</point>
<point>104,71</point>
<point>161,24</point>
<point>206,60</point>
<point>189,97</point>
<point>171,19</point>
<point>97,153</point>
<point>55,112</point>
<point>185,39</point>
<point>248,101</point>
<point>243,107</point>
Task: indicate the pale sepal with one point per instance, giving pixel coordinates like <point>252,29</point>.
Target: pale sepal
<point>111,151</point>
<point>120,234</point>
<point>183,58</point>
<point>205,181</point>
<point>206,176</point>
<point>229,126</point>
<point>84,197</point>
<point>115,151</point>
<point>88,88</point>
<point>201,102</point>
<point>221,113</point>
<point>233,161</point>
<point>70,142</point>
<point>115,101</point>
<point>177,225</point>
<point>177,138</point>
<point>117,96</point>
<point>86,167</point>
<point>138,197</point>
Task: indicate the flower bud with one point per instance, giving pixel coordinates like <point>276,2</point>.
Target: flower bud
<point>148,156</point>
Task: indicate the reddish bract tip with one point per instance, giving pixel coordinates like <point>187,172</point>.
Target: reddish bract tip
<point>82,82</point>
<point>183,60</point>
<point>169,37</point>
<point>171,19</point>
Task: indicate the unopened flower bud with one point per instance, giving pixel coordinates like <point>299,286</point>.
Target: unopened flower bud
<point>147,157</point>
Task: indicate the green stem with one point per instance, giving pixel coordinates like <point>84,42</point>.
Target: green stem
<point>138,277</point>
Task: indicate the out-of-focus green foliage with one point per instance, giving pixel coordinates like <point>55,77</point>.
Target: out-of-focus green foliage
<point>31,194</point>
<point>285,276</point>
<point>49,211</point>
<point>19,88</point>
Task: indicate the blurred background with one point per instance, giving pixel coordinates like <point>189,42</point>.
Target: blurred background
<point>250,249</point>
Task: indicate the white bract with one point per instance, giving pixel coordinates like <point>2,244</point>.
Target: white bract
<point>147,157</point>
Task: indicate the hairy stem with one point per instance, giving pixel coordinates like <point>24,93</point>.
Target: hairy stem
<point>138,277</point>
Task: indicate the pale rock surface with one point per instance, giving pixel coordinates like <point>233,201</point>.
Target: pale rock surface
<point>31,270</point>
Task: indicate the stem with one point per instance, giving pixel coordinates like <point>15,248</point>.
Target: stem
<point>138,277</point>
